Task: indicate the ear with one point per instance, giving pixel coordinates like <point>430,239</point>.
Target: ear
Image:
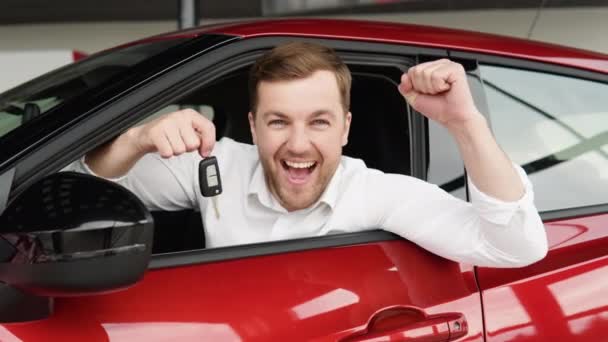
<point>252,127</point>
<point>347,119</point>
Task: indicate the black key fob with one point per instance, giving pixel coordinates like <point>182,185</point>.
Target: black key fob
<point>209,177</point>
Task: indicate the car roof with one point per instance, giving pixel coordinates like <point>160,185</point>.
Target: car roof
<point>426,36</point>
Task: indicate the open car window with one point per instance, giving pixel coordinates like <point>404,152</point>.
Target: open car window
<point>379,135</point>
<point>379,132</point>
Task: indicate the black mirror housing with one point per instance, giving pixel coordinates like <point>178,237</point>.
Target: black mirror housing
<point>74,234</point>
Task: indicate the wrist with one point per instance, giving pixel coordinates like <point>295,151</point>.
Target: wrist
<point>475,125</point>
<point>133,139</point>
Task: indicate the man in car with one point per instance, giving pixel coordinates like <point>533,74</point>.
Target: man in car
<point>294,182</point>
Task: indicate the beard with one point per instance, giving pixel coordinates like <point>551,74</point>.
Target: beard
<point>297,197</point>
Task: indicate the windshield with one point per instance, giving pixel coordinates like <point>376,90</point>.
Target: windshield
<point>42,94</point>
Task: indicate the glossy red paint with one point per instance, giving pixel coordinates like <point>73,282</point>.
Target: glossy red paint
<point>563,297</point>
<point>411,35</point>
<point>389,324</point>
<point>275,297</point>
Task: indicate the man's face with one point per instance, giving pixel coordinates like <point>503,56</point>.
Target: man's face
<point>300,128</point>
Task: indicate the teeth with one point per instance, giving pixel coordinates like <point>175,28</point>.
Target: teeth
<point>299,165</point>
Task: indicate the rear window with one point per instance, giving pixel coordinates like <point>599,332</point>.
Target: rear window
<point>44,93</point>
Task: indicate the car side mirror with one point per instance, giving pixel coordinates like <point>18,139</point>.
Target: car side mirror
<point>74,234</point>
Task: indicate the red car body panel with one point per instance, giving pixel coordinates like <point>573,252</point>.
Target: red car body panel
<point>304,292</point>
<point>408,34</point>
<point>563,297</point>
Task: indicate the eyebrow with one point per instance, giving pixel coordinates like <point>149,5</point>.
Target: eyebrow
<point>322,112</point>
<point>314,114</point>
<point>271,113</point>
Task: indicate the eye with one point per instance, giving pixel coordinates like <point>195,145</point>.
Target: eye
<point>277,123</point>
<point>320,123</point>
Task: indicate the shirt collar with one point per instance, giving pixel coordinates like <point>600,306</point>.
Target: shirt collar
<point>258,187</point>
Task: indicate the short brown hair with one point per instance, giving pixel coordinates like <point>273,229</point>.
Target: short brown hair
<point>296,60</point>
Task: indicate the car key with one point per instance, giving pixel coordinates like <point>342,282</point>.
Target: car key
<point>209,177</point>
<point>209,180</point>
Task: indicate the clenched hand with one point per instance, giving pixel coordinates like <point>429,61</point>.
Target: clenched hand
<point>176,133</point>
<point>439,90</point>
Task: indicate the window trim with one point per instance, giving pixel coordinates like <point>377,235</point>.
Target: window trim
<point>202,256</point>
<point>554,69</point>
<point>77,120</point>
<point>569,213</point>
<point>531,65</point>
<point>472,70</point>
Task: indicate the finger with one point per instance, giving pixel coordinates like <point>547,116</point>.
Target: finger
<point>206,131</point>
<point>433,79</point>
<point>406,85</point>
<point>422,72</point>
<point>189,136</point>
<point>175,139</point>
<point>163,146</point>
<point>415,76</point>
<point>456,72</point>
<point>407,90</point>
<point>411,97</point>
<point>425,72</point>
<point>440,82</point>
<point>201,128</point>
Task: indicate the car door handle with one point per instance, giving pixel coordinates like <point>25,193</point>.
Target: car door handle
<point>404,323</point>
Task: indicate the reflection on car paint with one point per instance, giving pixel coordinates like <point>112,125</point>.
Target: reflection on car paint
<point>169,331</point>
<point>563,297</point>
<point>333,300</point>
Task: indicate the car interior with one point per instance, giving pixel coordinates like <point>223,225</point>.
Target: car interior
<point>379,135</point>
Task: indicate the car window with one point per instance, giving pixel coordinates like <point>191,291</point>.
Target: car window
<point>44,93</point>
<point>379,135</point>
<point>379,115</point>
<point>445,167</point>
<point>556,127</point>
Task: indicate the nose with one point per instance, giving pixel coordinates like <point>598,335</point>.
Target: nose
<point>298,141</point>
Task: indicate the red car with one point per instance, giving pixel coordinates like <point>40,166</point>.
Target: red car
<point>81,259</point>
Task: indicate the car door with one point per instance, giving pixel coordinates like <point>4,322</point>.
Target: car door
<point>348,287</point>
<point>553,122</point>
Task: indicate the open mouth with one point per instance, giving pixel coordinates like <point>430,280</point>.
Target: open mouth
<point>299,172</point>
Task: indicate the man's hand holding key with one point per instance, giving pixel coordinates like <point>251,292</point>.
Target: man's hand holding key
<point>170,135</point>
<point>176,133</point>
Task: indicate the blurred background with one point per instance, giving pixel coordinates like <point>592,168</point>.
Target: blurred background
<point>40,35</point>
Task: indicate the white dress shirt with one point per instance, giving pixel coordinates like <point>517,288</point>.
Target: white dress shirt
<point>485,232</point>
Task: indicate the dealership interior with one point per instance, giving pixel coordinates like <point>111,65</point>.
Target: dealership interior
<point>36,34</point>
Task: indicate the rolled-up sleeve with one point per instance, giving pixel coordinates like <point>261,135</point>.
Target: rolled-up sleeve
<point>500,212</point>
<point>514,228</point>
<point>483,232</point>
